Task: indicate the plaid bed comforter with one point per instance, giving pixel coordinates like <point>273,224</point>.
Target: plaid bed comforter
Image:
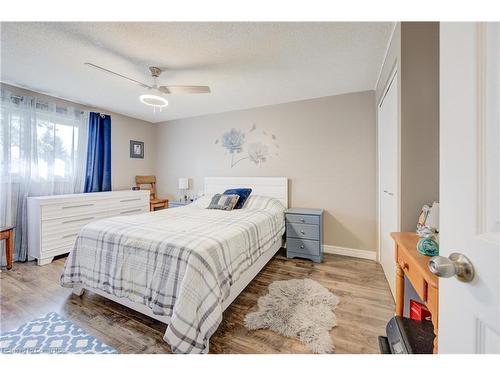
<point>179,262</point>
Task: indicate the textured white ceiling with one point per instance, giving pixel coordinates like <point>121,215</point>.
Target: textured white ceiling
<point>245,64</point>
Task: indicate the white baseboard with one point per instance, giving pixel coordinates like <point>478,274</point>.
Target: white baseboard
<point>356,253</point>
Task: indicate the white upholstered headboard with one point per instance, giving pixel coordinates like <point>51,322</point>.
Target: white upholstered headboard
<point>275,187</point>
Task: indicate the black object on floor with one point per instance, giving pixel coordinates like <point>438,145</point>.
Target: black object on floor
<point>383,344</point>
<point>407,336</point>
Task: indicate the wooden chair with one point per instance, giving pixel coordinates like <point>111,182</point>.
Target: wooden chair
<point>7,233</point>
<point>154,201</point>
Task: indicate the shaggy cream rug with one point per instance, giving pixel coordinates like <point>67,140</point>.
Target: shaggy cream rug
<point>299,308</point>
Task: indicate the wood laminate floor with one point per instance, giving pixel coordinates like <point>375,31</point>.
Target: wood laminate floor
<point>29,291</point>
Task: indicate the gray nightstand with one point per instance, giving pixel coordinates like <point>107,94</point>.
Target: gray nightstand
<point>174,204</point>
<point>304,233</point>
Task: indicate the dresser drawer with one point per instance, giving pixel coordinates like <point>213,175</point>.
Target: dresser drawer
<point>307,231</point>
<point>78,208</point>
<point>61,249</point>
<point>86,207</point>
<point>59,232</point>
<point>304,247</point>
<point>63,231</point>
<point>65,225</point>
<point>58,226</point>
<point>64,242</point>
<point>302,219</point>
<point>412,273</point>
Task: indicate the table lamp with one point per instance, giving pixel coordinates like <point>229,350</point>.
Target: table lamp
<point>183,187</point>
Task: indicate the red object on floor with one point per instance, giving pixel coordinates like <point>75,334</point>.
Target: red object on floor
<point>418,311</point>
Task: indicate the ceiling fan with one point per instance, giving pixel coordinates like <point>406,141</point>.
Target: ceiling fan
<point>156,101</point>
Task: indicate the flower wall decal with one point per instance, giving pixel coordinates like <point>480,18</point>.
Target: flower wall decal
<point>258,152</point>
<point>233,141</point>
<point>262,148</point>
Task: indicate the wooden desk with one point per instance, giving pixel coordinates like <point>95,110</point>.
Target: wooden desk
<point>413,265</point>
<point>7,233</point>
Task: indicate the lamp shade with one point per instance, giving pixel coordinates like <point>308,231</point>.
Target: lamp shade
<point>183,183</point>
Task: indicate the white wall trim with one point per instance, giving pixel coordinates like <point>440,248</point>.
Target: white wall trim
<point>385,55</point>
<point>355,253</point>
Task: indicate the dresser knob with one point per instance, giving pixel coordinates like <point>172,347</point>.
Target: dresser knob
<point>301,246</point>
<point>302,232</point>
<point>302,220</point>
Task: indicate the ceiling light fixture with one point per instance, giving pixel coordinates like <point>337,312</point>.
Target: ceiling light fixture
<point>154,101</point>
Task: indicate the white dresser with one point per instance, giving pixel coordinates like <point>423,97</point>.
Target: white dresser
<point>55,220</point>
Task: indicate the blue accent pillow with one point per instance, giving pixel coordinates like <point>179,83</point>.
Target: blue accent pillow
<point>244,193</point>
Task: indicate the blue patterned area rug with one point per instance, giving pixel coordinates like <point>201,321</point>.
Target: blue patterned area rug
<point>51,334</point>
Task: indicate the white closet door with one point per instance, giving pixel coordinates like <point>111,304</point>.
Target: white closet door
<point>388,140</point>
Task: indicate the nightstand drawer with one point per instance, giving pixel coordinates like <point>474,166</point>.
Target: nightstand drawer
<point>305,247</point>
<point>302,219</point>
<point>307,231</point>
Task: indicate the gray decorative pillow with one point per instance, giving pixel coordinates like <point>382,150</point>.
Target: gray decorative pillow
<point>224,202</point>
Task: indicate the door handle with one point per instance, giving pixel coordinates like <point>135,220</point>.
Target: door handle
<point>388,192</point>
<point>456,264</point>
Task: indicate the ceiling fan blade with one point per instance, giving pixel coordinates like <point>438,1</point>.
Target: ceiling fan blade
<point>117,74</point>
<point>185,89</point>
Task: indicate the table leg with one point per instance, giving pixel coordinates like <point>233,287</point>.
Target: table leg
<point>400,290</point>
<point>9,246</point>
<point>435,343</point>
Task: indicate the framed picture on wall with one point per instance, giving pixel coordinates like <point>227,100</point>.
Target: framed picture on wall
<point>136,149</point>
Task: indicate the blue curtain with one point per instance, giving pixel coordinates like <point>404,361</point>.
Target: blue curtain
<point>98,170</point>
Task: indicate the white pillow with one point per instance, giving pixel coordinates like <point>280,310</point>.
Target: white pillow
<point>259,202</point>
<point>203,201</point>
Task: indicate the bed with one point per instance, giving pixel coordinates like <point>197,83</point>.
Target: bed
<point>182,266</point>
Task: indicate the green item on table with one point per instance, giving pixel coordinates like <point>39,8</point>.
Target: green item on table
<point>428,246</point>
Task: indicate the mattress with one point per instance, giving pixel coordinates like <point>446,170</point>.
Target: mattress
<point>178,262</point>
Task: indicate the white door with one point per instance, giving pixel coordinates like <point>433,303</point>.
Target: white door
<point>469,318</point>
<point>388,136</point>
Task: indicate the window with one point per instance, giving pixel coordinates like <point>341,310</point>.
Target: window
<point>39,139</point>
<point>42,152</point>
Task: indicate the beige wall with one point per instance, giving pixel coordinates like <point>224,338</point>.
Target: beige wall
<point>414,51</point>
<point>123,167</point>
<point>419,118</point>
<point>123,129</point>
<point>326,149</point>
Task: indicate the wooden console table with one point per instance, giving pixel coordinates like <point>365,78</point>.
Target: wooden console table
<point>413,265</point>
<point>7,233</point>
